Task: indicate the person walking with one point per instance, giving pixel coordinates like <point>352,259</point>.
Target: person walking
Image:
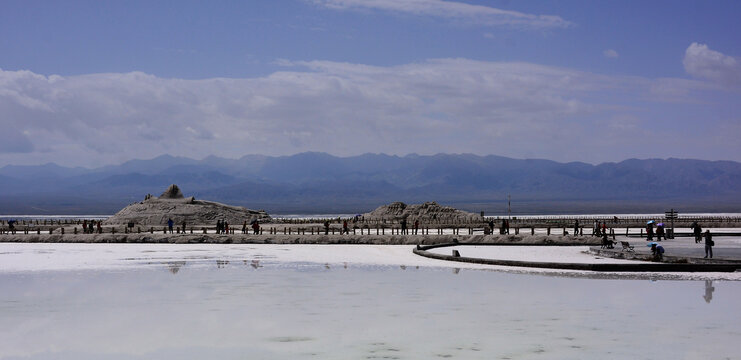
<point>326,227</point>
<point>345,229</point>
<point>709,243</point>
<point>697,230</point>
<point>416,226</point>
<point>660,232</point>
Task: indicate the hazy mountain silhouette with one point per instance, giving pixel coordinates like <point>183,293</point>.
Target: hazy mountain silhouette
<point>319,182</point>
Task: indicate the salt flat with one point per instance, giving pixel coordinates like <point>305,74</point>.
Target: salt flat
<point>35,257</point>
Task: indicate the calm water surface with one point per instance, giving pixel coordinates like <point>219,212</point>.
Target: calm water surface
<point>250,310</point>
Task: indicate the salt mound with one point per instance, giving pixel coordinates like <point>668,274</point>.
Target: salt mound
<point>173,205</point>
<point>422,212</point>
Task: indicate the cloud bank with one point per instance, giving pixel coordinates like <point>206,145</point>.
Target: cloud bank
<point>701,62</point>
<point>440,105</point>
<point>482,15</point>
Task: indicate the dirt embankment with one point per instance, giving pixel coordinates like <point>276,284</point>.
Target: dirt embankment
<point>300,239</point>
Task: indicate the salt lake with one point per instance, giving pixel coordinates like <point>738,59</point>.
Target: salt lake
<point>150,301</point>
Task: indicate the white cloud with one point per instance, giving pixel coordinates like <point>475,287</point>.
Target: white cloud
<point>701,62</point>
<point>478,14</point>
<point>610,53</point>
<point>442,105</point>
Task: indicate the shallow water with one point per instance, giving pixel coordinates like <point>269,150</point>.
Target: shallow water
<point>303,310</point>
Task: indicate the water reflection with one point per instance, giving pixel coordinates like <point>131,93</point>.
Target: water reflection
<point>175,266</point>
<point>709,288</point>
<point>302,311</point>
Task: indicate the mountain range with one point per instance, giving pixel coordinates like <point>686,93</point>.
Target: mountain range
<point>322,183</point>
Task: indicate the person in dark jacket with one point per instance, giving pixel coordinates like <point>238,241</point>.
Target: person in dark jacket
<point>170,223</point>
<point>576,227</point>
<point>657,251</point>
<point>708,244</point>
<point>660,232</point>
<point>697,230</point>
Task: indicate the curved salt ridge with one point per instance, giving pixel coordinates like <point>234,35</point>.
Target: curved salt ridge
<point>603,266</point>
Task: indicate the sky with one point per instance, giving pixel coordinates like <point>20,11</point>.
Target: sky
<point>91,83</point>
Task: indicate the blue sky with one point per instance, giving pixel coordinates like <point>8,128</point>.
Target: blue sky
<point>99,82</point>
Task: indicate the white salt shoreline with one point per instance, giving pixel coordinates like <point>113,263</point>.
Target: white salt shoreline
<point>41,257</point>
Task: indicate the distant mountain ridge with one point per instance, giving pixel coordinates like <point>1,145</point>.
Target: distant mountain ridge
<point>319,182</point>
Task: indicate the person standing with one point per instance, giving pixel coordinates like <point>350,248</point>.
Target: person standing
<point>170,224</point>
<point>576,227</point>
<point>709,243</point>
<point>345,229</point>
<point>596,229</point>
<point>416,226</point>
<point>649,232</point>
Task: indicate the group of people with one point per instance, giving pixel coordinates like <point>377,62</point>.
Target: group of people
<point>222,227</point>
<point>405,229</point>
<point>171,225</point>
<point>503,229</point>
<point>699,236</point>
<point>345,227</point>
<point>660,232</point>
<point>600,228</point>
<point>92,227</point>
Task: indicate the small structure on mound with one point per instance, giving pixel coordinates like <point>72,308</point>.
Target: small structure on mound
<point>172,192</point>
<point>155,211</point>
<point>427,212</point>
